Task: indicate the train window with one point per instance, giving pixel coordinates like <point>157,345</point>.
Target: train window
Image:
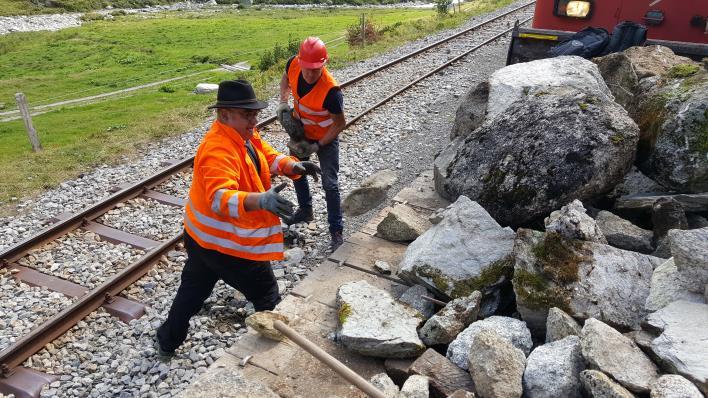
<point>573,8</point>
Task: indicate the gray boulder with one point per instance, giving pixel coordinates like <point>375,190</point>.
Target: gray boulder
<point>651,61</point>
<point>471,111</point>
<point>539,155</point>
<point>443,327</point>
<point>690,252</point>
<point>622,234</point>
<point>560,325</point>
<point>402,224</point>
<point>553,370</point>
<point>373,323</point>
<point>415,387</point>
<point>518,82</point>
<point>620,76</point>
<point>572,222</point>
<point>464,252</point>
<point>681,344</point>
<point>371,193</point>
<point>496,366</point>
<point>607,350</point>
<point>667,286</point>
<point>584,279</point>
<point>674,386</point>
<point>412,297</point>
<point>598,385</point>
<point>510,329</point>
<point>635,182</point>
<point>384,384</point>
<point>672,114</point>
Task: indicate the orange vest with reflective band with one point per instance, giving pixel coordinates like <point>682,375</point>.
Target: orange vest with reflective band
<point>309,109</point>
<point>223,175</point>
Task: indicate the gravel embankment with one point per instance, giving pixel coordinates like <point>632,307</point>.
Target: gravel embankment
<point>104,357</point>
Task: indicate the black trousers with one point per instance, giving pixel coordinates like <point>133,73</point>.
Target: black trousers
<point>204,267</point>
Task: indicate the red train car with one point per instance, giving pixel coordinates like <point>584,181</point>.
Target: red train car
<point>681,25</point>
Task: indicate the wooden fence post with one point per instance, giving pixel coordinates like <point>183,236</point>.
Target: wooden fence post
<point>31,132</point>
<point>363,30</point>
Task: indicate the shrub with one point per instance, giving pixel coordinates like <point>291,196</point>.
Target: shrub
<point>355,37</point>
<point>92,16</point>
<point>442,6</point>
<point>266,60</point>
<point>270,58</point>
<point>166,89</point>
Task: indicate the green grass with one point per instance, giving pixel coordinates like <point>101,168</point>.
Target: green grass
<point>104,56</point>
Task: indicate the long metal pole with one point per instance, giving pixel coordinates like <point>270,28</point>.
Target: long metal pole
<point>334,364</point>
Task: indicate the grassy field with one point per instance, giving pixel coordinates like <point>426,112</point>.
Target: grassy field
<point>105,56</point>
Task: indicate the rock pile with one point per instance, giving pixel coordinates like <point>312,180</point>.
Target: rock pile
<point>604,302</point>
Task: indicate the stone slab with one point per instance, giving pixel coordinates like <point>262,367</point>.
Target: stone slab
<point>445,376</point>
<point>421,193</point>
<point>362,250</point>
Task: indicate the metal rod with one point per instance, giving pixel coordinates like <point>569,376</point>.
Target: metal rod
<point>434,301</point>
<point>334,364</point>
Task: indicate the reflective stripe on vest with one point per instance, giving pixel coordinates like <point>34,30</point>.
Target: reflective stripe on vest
<point>229,244</point>
<point>232,202</point>
<point>232,229</point>
<point>310,108</point>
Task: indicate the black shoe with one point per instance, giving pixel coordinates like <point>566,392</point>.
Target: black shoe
<point>162,355</point>
<point>337,240</point>
<point>302,214</point>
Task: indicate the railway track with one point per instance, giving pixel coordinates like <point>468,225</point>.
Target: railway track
<point>105,290</point>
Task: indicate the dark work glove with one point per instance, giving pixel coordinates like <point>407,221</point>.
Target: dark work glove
<point>275,203</point>
<point>307,168</point>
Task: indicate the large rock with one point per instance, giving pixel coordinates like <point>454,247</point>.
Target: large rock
<point>471,111</point>
<point>373,323</point>
<point>683,343</point>
<point>584,279</point>
<point>415,387</point>
<point>690,252</point>
<point>635,182</point>
<point>620,76</point>
<point>572,222</point>
<point>623,234</point>
<point>402,224</point>
<point>560,325</point>
<point>674,386</point>
<point>445,377</point>
<point>384,384</point>
<point>510,329</point>
<point>667,286</point>
<point>443,327</point>
<point>557,144</point>
<point>516,83</point>
<point>599,385</point>
<point>654,60</point>
<point>496,366</point>
<point>370,193</point>
<point>413,297</point>
<point>553,370</point>
<point>609,351</point>
<point>464,252</point>
<point>672,114</point>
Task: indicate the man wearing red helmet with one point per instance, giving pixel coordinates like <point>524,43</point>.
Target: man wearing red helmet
<point>319,105</point>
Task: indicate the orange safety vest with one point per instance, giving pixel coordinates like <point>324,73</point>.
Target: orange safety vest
<point>223,175</point>
<point>309,109</point>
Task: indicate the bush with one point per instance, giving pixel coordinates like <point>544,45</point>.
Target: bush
<point>92,16</point>
<point>355,37</point>
<point>442,6</point>
<point>269,58</point>
<point>167,89</point>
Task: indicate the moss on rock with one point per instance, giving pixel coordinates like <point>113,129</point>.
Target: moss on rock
<point>345,310</point>
<point>537,294</point>
<point>438,279</point>
<point>488,276</point>
<point>681,71</point>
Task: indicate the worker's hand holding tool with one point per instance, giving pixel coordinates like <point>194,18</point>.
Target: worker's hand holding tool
<point>307,168</point>
<point>282,108</point>
<point>275,203</point>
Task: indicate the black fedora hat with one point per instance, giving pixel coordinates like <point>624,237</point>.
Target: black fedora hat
<point>237,94</point>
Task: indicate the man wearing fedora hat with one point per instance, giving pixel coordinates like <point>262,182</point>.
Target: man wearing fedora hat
<point>232,217</point>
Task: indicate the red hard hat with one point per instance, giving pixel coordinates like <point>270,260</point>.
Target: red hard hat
<point>313,53</point>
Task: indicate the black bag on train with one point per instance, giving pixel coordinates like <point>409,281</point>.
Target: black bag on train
<point>588,43</point>
<point>625,35</point>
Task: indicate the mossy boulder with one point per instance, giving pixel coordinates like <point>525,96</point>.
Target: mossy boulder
<point>464,252</point>
<point>584,279</point>
<point>541,153</point>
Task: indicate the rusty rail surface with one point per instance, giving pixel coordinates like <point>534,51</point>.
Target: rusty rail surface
<point>51,329</point>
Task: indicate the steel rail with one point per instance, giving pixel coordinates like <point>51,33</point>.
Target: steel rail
<point>59,228</point>
<point>54,327</point>
<point>51,329</point>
